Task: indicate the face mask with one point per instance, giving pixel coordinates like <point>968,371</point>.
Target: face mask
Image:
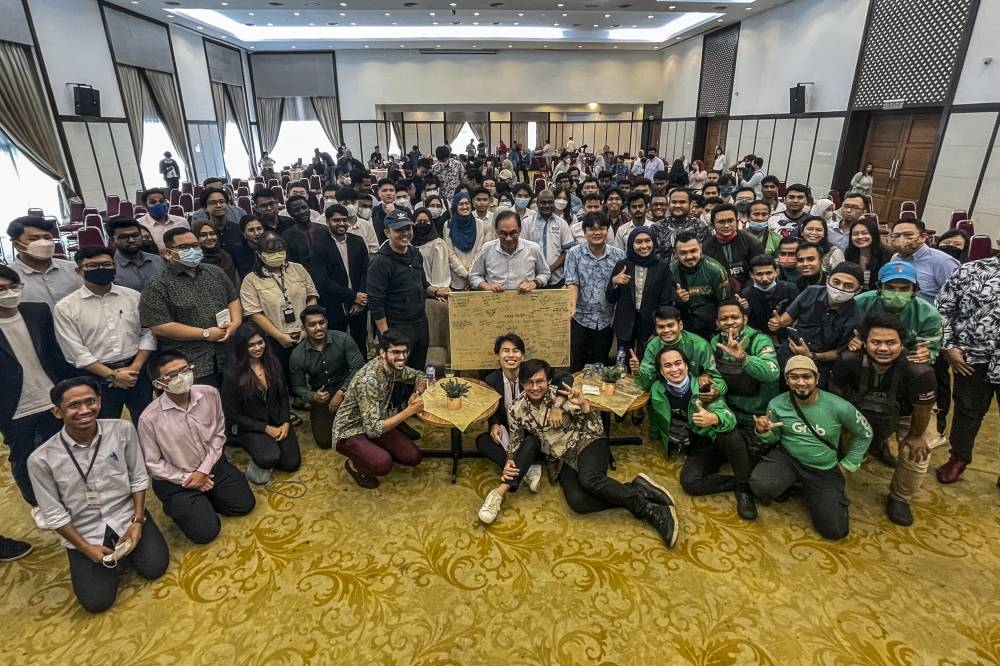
<point>328,202</point>
<point>787,263</point>
<point>11,298</point>
<point>758,226</point>
<point>158,211</point>
<point>706,218</point>
<point>180,384</point>
<point>346,182</point>
<point>352,210</point>
<point>191,258</point>
<point>102,277</point>
<point>743,206</point>
<point>560,204</point>
<point>430,193</point>
<point>436,211</point>
<point>274,259</point>
<point>405,203</point>
<point>837,296</point>
<point>364,213</point>
<point>769,288</point>
<point>149,246</point>
<point>42,248</point>
<point>895,301</point>
<point>951,251</point>
<point>828,215</point>
<point>522,202</point>
<point>503,206</point>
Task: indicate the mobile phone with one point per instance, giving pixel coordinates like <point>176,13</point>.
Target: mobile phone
<point>705,388</point>
<point>794,334</point>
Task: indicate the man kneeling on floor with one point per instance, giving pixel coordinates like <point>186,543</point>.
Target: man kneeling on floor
<point>182,433</point>
<point>578,453</point>
<point>90,481</point>
<point>364,430</point>
<point>806,423</point>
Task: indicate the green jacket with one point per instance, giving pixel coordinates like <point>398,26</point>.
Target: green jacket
<point>709,286</point>
<point>761,364</point>
<point>700,359</point>
<point>660,414</point>
<point>922,320</point>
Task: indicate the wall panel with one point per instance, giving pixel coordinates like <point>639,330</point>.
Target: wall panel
<point>963,151</point>
<point>986,214</point>
<point>802,148</point>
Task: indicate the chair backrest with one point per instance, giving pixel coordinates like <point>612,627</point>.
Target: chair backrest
<point>177,210</point>
<point>539,185</point>
<point>908,206</point>
<point>138,197</point>
<point>126,209</point>
<point>93,221</point>
<point>278,193</point>
<point>60,249</point>
<point>113,202</point>
<point>36,212</point>
<point>245,203</point>
<point>967,226</point>
<point>907,215</point>
<point>235,182</point>
<point>187,187</point>
<point>980,247</point>
<point>243,191</point>
<point>956,217</point>
<point>782,189</point>
<point>273,182</point>
<point>76,211</point>
<point>139,211</point>
<point>175,197</point>
<point>315,183</point>
<point>89,236</point>
<point>834,196</point>
<point>89,210</point>
<point>187,203</point>
<point>285,179</point>
<point>198,189</point>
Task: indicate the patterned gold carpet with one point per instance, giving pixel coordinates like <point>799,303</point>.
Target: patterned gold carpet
<point>407,575</point>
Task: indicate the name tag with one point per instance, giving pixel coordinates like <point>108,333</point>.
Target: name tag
<point>93,498</point>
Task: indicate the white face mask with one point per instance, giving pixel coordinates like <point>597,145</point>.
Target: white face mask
<point>352,210</point>
<point>560,204</point>
<point>328,202</point>
<point>181,383</point>
<point>838,296</point>
<point>41,248</point>
<point>430,193</point>
<point>10,298</point>
<point>364,213</point>
<point>435,211</point>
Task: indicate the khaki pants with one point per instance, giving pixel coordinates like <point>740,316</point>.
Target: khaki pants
<point>909,473</point>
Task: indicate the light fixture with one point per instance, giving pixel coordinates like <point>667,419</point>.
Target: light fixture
<point>388,14</point>
<point>614,47</point>
<point>672,7</point>
<point>520,13</point>
<point>295,47</point>
<point>343,13</point>
<point>556,24</point>
<point>170,16</point>
<point>433,14</point>
<point>607,16</point>
<point>565,14</point>
<point>473,23</point>
<point>650,16</point>
<point>559,5</point>
<point>269,25</point>
<point>474,46</point>
<point>366,46</point>
<point>295,13</point>
<point>516,23</point>
<point>312,24</point>
<point>251,13</point>
<point>510,46</point>
<point>401,46</point>
<point>224,4</point>
<point>343,4</point>
<point>475,13</point>
<point>199,27</point>
<point>720,20</point>
<point>592,105</point>
<point>596,26</point>
<point>545,46</point>
<point>579,46</point>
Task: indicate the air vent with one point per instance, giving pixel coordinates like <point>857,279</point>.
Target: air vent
<point>457,52</point>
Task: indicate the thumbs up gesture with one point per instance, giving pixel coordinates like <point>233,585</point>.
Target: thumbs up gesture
<point>622,278</point>
<point>774,323</point>
<point>856,343</point>
<point>704,418</point>
<point>682,294</point>
<point>633,361</point>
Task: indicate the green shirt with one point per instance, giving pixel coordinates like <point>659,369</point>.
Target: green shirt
<point>761,363</point>
<point>660,414</point>
<point>829,416</point>
<point>922,320</point>
<point>312,369</point>
<point>708,286</point>
<point>699,357</point>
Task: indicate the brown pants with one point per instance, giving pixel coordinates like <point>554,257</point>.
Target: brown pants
<point>909,474</point>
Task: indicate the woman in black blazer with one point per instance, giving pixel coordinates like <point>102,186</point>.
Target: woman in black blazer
<point>255,399</point>
<point>640,270</point>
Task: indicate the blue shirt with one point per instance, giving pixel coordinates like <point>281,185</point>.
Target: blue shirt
<point>934,267</point>
<point>591,275</point>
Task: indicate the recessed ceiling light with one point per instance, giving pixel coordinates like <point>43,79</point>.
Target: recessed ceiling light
<point>295,13</point>
<point>635,26</point>
<point>388,14</point>
<point>510,46</point>
<point>475,23</point>
<point>343,4</point>
<point>650,16</point>
<point>437,46</point>
<point>295,47</point>
<point>520,13</point>
<point>312,24</point>
<point>565,14</point>
<point>401,46</point>
<point>545,46</point>
<point>596,26</point>
<point>353,23</point>
<point>720,20</point>
<point>672,7</point>
<point>749,8</point>
<point>453,4</point>
<point>270,24</point>
<point>614,47</point>
<point>474,46</point>
<point>607,16</point>
<point>555,24</point>
<point>434,23</point>
<point>251,13</point>
<point>199,27</point>
<point>559,5</point>
<point>135,2</point>
<point>475,13</point>
<point>579,46</point>
<point>252,48</point>
<point>516,23</point>
<point>343,13</point>
<point>394,23</point>
<point>366,46</point>
<point>224,4</point>
<point>433,14</point>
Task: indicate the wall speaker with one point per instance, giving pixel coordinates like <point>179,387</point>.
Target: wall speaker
<point>797,99</point>
<point>87,101</point>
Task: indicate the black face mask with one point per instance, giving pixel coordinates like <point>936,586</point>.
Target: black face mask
<point>951,250</point>
<point>102,277</point>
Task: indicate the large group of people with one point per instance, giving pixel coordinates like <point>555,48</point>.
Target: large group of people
<point>783,336</point>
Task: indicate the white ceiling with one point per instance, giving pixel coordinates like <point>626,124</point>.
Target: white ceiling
<point>273,25</point>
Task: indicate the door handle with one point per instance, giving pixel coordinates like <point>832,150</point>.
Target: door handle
<point>894,170</point>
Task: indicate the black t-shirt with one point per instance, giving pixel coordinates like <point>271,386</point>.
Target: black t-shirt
<point>763,303</point>
<point>915,385</point>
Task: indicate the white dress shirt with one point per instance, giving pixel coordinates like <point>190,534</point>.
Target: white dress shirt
<point>92,328</point>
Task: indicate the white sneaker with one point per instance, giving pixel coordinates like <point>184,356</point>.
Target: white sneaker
<point>257,474</point>
<point>39,517</point>
<point>534,477</point>
<point>491,507</point>
<point>941,440</point>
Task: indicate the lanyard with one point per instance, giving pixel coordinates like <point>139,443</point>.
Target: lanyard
<point>97,449</point>
<point>281,284</point>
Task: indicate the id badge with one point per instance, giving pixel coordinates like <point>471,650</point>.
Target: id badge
<point>93,498</point>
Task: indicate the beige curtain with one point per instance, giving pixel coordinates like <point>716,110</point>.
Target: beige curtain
<point>328,117</point>
<point>397,129</point>
<point>219,102</point>
<point>238,100</point>
<point>164,94</point>
<point>541,134</point>
<point>451,131</point>
<point>132,96</point>
<point>519,133</point>
<point>269,120</point>
<point>482,131</point>
<point>24,115</point>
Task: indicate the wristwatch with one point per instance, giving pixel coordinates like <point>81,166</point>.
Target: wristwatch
<point>137,519</point>
<point>205,333</point>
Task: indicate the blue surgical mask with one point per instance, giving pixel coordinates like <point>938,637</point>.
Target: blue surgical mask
<point>758,226</point>
<point>191,258</point>
<point>158,211</point>
<point>726,191</point>
<point>522,202</point>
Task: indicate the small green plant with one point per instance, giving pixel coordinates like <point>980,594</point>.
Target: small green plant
<point>455,389</point>
<point>611,374</point>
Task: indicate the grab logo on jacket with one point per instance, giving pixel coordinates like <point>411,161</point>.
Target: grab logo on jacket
<point>802,429</point>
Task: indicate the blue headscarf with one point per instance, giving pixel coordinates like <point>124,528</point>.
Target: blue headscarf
<point>630,250</point>
<point>462,228</point>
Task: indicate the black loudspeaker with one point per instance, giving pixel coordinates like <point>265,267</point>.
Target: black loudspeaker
<point>87,101</point>
<point>797,99</point>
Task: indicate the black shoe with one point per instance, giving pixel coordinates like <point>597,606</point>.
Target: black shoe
<point>746,508</point>
<point>408,431</point>
<point>651,491</point>
<point>12,549</point>
<point>663,519</point>
<point>884,455</point>
<point>898,511</point>
<point>363,480</point>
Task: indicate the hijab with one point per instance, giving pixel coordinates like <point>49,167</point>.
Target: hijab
<point>423,233</point>
<point>462,228</point>
<point>645,262</point>
<point>822,207</point>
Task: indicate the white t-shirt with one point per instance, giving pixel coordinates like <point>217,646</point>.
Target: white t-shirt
<point>35,384</point>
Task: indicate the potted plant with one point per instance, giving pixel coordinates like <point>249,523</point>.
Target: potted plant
<point>610,375</point>
<point>455,391</point>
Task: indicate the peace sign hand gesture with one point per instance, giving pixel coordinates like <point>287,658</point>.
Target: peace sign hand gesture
<point>572,395</point>
<point>764,423</point>
<point>733,347</point>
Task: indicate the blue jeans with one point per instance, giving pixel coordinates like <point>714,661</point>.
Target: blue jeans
<point>23,436</point>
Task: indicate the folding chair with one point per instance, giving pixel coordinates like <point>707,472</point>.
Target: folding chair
<point>187,187</point>
<point>36,212</point>
<point>245,204</point>
<point>956,217</point>
<point>175,197</point>
<point>278,193</point>
<point>76,211</point>
<point>834,196</point>
<point>113,202</point>
<point>187,203</point>
<point>910,206</point>
<point>980,247</point>
<point>176,210</point>
<point>126,209</point>
<point>89,236</point>
<point>968,227</point>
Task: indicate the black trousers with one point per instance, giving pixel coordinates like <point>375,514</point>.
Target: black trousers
<point>824,490</point>
<point>136,399</point>
<point>271,454</point>
<point>588,488</point>
<point>523,459</point>
<point>321,421</point>
<point>587,345</point>
<point>973,396</point>
<point>194,512</point>
<point>419,337</point>
<point>23,436</point>
<point>96,586</point>
<point>700,474</point>
<point>942,372</point>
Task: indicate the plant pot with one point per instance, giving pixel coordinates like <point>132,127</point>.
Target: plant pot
<point>607,388</point>
<point>454,404</point>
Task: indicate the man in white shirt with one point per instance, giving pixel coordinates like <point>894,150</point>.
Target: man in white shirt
<point>509,262</point>
<point>481,200</point>
<point>359,211</point>
<point>552,233</point>
<point>756,177</point>
<point>44,279</point>
<point>98,330</point>
<point>158,218</point>
<point>570,145</point>
<point>652,165</point>
<point>91,483</point>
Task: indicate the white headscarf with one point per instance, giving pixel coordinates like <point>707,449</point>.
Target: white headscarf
<point>824,208</point>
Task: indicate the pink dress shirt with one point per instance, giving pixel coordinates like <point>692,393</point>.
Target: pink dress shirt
<point>177,442</point>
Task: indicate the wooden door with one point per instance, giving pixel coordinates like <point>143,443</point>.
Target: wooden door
<point>714,136</point>
<point>900,147</point>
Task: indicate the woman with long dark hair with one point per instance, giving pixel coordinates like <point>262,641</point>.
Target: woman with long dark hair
<point>865,248</point>
<point>813,230</point>
<point>678,176</point>
<point>255,399</point>
<point>864,180</point>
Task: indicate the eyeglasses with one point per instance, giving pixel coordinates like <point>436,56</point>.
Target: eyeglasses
<point>907,235</point>
<point>127,237</point>
<point>186,246</point>
<point>267,206</point>
<point>103,264</point>
<point>166,379</point>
